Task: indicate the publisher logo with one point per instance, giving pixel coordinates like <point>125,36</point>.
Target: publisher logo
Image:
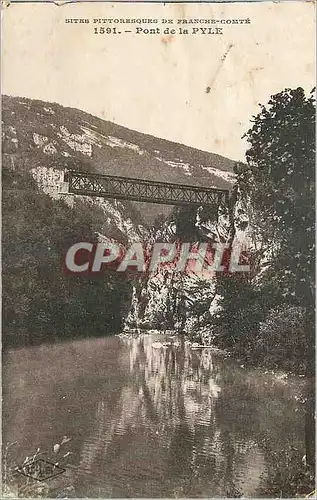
<point>40,469</point>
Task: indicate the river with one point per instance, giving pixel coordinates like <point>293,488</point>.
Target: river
<point>139,419</point>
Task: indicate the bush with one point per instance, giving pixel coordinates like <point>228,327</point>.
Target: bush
<point>287,475</point>
<point>281,340</point>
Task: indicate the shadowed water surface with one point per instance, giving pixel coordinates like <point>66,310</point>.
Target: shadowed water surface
<point>142,419</point>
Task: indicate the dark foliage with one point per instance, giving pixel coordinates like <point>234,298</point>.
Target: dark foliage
<point>40,302</point>
<point>277,183</point>
<point>270,318</point>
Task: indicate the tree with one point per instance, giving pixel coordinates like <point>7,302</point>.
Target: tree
<point>278,182</point>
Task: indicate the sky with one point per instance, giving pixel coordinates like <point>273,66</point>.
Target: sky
<point>199,90</point>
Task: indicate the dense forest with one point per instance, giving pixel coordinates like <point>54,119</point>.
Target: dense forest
<point>274,304</point>
<point>41,303</point>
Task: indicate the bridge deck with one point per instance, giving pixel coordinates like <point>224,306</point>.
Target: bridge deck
<point>126,188</point>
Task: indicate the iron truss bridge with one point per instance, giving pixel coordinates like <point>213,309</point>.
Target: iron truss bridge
<point>125,188</point>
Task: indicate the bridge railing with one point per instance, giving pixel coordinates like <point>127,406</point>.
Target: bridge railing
<point>109,186</point>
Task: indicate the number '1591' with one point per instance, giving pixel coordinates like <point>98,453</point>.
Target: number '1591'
<point>106,31</point>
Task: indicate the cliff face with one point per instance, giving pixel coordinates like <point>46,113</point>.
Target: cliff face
<point>185,302</point>
<point>40,140</point>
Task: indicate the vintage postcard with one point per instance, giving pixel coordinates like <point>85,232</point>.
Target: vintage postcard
<point>158,249</point>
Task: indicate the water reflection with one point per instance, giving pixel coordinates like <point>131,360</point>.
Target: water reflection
<point>172,432</point>
<point>152,417</point>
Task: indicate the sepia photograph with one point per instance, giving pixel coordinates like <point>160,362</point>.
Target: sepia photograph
<point>158,249</point>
